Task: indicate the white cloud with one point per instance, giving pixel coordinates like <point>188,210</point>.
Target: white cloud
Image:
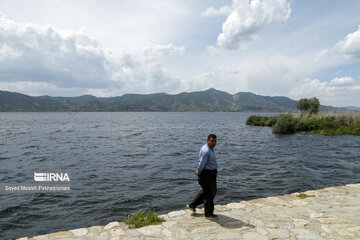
<point>246,18</point>
<point>259,73</point>
<point>223,11</point>
<point>71,59</point>
<point>7,53</point>
<point>349,48</point>
<point>274,74</point>
<point>343,81</point>
<point>157,51</point>
<point>338,92</point>
<point>123,24</point>
<point>212,50</point>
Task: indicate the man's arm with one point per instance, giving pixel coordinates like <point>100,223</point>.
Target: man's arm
<point>203,158</point>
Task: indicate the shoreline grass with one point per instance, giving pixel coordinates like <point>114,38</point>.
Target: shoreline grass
<point>326,123</point>
<point>303,195</point>
<point>142,218</point>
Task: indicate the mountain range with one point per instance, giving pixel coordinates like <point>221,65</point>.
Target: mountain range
<point>209,100</point>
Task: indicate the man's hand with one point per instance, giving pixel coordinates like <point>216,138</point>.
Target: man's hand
<point>196,173</point>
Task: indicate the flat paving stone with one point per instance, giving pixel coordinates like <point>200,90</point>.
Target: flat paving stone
<point>333,213</point>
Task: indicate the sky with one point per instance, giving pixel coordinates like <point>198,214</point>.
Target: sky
<point>293,48</point>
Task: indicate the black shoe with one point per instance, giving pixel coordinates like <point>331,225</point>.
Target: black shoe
<point>212,216</point>
<point>191,209</point>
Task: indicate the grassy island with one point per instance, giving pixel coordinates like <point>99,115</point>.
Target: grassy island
<point>321,123</point>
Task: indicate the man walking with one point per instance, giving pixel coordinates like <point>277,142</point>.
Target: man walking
<point>206,172</point>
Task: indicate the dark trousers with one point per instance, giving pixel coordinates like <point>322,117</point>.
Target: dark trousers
<point>207,181</point>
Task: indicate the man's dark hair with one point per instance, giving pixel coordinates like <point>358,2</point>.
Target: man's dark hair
<point>211,136</point>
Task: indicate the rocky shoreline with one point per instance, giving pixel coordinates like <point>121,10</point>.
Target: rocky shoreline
<point>331,213</point>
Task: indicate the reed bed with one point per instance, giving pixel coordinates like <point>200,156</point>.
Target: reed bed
<point>328,123</point>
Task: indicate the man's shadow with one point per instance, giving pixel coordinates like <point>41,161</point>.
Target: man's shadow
<point>225,221</point>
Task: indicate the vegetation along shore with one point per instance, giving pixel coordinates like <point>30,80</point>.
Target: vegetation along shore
<point>309,120</point>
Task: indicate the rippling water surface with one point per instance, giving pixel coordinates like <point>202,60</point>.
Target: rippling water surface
<point>121,162</point>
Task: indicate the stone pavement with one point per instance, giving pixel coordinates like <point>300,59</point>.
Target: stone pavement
<point>333,213</point>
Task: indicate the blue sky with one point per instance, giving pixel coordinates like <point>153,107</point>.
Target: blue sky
<point>107,48</point>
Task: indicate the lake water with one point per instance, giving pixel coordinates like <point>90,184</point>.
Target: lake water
<point>120,162</point>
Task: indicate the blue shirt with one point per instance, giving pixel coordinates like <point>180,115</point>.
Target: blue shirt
<point>207,159</point>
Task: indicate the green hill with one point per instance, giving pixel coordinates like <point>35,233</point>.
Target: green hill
<point>12,101</point>
<point>209,100</point>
